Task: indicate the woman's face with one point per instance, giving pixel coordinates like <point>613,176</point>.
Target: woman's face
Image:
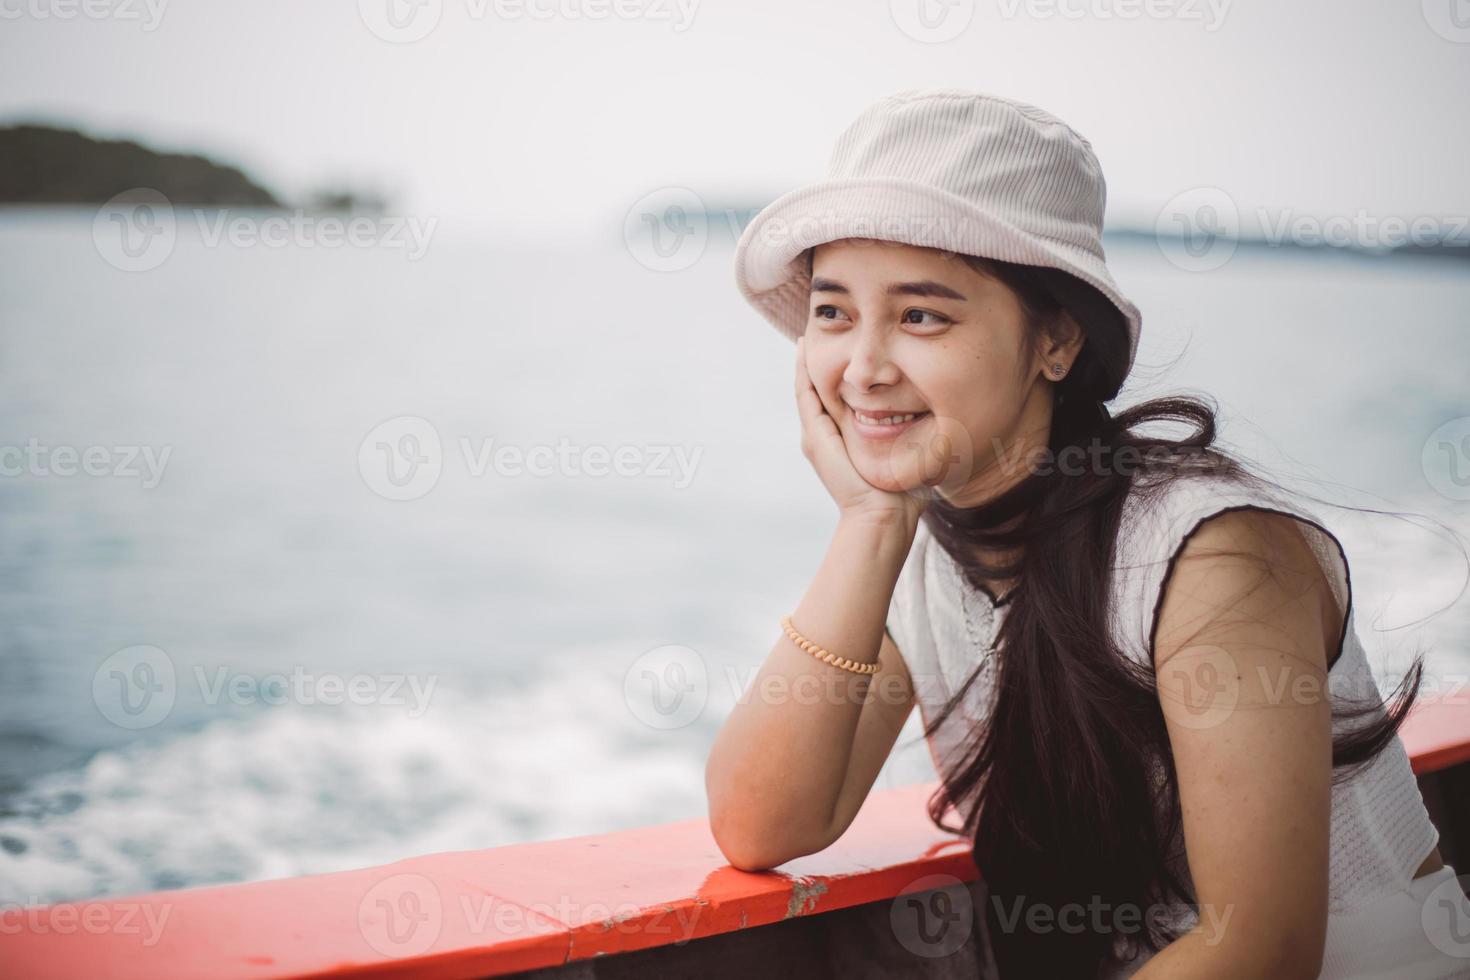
<point>896,329</point>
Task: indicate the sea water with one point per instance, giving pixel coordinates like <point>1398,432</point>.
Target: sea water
<point>422,536</point>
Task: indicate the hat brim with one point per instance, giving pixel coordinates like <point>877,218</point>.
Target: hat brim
<point>897,210</point>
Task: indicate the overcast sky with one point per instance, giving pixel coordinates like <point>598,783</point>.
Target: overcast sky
<point>1323,106</point>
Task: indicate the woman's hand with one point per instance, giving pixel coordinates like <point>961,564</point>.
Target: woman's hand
<point>824,448</point>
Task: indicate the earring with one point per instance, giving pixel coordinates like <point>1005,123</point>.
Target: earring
<point>1057,369</point>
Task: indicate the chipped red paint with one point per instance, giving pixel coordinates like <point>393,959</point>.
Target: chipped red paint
<point>491,912</point>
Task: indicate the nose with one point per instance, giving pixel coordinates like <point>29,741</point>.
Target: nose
<point>869,361</point>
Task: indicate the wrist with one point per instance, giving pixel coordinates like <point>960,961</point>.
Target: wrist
<point>897,525</point>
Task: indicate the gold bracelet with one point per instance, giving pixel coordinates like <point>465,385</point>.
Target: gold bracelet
<point>823,655</point>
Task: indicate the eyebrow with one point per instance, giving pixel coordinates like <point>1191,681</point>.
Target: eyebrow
<point>924,287</point>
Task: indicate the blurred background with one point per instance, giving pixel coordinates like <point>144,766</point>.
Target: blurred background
<point>391,466</point>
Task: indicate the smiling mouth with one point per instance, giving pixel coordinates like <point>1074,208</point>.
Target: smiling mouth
<point>888,419</point>
<point>879,428</point>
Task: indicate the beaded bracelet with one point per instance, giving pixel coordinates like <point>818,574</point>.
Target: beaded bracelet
<point>823,655</point>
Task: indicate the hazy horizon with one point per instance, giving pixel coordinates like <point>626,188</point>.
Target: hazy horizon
<point>1173,103</point>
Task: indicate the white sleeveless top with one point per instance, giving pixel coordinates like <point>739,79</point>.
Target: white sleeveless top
<point>1381,830</point>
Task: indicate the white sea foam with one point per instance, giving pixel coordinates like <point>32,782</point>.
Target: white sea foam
<point>298,790</point>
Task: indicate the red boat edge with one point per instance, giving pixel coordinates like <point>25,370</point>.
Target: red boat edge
<point>544,904</point>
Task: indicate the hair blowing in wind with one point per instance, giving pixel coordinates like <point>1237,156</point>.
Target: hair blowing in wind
<point>1069,791</point>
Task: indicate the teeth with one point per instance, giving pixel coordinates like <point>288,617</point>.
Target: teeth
<point>888,420</point>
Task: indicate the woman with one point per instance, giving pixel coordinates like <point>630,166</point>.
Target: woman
<point>1134,659</point>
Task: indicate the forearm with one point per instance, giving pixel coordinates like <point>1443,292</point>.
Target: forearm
<point>779,763</point>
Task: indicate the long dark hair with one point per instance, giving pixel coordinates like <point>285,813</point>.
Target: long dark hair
<point>1069,792</point>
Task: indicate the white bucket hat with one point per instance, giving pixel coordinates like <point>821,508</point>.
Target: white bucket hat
<point>945,168</point>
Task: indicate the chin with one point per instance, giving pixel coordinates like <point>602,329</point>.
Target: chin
<point>891,467</point>
<point>881,479</point>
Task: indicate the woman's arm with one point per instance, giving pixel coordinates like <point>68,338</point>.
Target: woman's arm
<point>802,747</point>
<point>1241,656</point>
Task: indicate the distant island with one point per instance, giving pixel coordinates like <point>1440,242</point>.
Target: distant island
<point>42,164</point>
<point>47,165</point>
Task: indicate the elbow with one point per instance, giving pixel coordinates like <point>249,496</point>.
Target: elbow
<point>750,841</point>
<point>751,832</point>
<point>744,858</point>
<point>1284,957</point>
<point>1294,967</point>
<point>1304,962</point>
<point>740,850</point>
<point>1300,952</point>
<point>752,847</point>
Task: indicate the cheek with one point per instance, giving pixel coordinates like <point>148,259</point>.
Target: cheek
<point>826,375</point>
<point>976,374</point>
<point>973,406</point>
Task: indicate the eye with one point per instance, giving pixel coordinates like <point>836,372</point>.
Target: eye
<point>820,311</point>
<point>939,319</point>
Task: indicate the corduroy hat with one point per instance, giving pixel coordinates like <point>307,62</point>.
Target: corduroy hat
<point>945,168</point>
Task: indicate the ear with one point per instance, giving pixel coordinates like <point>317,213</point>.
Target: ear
<point>1064,339</point>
